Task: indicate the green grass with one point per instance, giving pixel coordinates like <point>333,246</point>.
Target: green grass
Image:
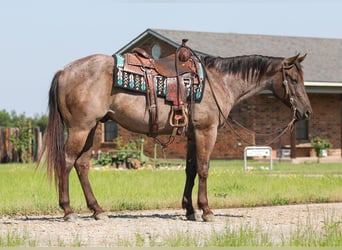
<point>26,191</point>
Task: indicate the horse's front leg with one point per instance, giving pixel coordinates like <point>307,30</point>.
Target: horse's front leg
<point>191,171</point>
<point>205,141</point>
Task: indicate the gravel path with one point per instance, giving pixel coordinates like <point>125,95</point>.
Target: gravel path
<point>150,227</point>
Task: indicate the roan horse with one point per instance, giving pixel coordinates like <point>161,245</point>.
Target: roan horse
<point>81,96</point>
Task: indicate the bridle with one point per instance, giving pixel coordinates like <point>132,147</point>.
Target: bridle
<point>289,127</point>
<point>287,90</point>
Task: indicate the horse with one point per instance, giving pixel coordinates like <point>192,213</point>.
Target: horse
<point>81,96</point>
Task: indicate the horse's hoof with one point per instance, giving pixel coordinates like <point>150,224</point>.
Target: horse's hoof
<point>208,217</point>
<point>101,216</point>
<point>70,217</point>
<point>192,217</point>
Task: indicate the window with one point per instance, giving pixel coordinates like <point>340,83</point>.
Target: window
<point>302,130</point>
<point>110,131</point>
<point>156,51</point>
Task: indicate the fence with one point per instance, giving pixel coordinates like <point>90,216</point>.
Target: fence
<point>8,151</point>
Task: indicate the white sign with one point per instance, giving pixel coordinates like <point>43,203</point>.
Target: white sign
<point>254,151</point>
<point>258,152</point>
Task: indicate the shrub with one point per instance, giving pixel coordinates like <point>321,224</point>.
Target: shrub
<point>319,144</point>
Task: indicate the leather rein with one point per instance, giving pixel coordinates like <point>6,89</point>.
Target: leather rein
<point>229,121</point>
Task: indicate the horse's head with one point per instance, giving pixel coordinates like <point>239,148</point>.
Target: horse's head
<point>289,87</point>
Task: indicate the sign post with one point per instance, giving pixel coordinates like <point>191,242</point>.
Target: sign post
<point>254,151</point>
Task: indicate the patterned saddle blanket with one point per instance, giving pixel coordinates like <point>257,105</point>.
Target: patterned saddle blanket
<point>129,75</point>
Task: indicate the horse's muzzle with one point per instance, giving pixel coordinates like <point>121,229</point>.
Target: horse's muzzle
<point>307,114</point>
<point>303,115</point>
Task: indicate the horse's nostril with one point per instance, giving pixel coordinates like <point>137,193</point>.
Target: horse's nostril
<point>308,114</point>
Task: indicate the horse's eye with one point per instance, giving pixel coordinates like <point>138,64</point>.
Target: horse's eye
<point>294,81</point>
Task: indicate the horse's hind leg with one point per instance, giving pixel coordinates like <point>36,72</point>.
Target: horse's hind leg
<point>63,190</point>
<point>76,144</point>
<point>82,168</point>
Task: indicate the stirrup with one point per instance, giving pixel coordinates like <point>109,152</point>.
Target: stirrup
<point>178,117</point>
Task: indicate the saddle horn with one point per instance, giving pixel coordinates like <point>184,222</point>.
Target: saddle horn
<point>184,52</point>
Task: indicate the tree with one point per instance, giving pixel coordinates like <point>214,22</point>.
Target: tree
<point>10,120</point>
<point>40,121</point>
<point>5,119</point>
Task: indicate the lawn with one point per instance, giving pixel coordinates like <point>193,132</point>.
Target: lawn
<point>25,189</point>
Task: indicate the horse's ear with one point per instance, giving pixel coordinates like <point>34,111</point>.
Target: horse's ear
<point>291,60</point>
<point>301,58</point>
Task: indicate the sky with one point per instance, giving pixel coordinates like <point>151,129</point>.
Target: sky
<point>39,37</point>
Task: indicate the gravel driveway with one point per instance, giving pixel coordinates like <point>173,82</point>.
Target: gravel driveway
<point>150,227</point>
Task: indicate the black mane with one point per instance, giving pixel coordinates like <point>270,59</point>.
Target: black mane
<point>249,66</point>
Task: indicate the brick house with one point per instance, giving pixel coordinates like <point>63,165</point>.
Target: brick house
<point>262,114</point>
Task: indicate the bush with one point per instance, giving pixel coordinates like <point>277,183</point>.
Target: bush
<point>128,155</point>
<point>319,144</point>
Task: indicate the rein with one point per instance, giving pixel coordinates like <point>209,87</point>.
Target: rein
<point>229,121</point>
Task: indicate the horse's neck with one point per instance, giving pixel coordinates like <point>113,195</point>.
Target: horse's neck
<point>234,88</point>
<point>243,76</point>
<point>250,88</point>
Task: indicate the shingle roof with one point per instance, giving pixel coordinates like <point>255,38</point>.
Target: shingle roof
<point>323,63</point>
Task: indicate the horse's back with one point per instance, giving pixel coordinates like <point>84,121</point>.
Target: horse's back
<point>90,64</point>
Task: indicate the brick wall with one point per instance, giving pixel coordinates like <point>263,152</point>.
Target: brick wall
<point>327,117</point>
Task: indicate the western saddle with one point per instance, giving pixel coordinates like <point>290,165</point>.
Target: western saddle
<point>181,71</point>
